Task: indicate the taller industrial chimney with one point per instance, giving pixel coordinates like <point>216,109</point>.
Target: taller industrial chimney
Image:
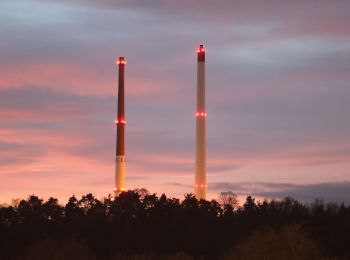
<point>200,183</point>
<point>120,122</point>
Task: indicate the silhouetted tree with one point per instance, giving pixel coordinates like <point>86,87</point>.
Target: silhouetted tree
<point>249,206</point>
<point>30,211</point>
<point>228,198</point>
<point>72,210</point>
<point>52,210</point>
<point>142,192</point>
<point>140,224</point>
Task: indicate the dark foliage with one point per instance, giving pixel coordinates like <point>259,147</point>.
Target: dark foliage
<point>147,226</point>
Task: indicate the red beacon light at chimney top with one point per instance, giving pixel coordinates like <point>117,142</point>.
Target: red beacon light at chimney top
<point>121,61</point>
<point>201,49</point>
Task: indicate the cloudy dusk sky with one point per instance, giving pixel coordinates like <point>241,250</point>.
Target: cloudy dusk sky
<point>277,83</point>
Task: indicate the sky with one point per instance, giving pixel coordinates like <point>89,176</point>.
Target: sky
<point>277,85</point>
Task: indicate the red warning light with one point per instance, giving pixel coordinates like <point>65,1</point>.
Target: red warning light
<point>121,61</point>
<point>122,121</point>
<point>201,49</point>
<point>201,114</point>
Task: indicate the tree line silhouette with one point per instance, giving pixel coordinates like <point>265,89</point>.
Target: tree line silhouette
<point>138,223</point>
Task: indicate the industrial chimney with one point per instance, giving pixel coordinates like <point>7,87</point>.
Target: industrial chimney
<point>200,184</point>
<point>120,122</point>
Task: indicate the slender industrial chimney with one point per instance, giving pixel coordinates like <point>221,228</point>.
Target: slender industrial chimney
<point>200,183</point>
<point>120,122</point>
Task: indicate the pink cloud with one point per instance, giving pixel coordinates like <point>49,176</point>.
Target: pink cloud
<point>56,76</point>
